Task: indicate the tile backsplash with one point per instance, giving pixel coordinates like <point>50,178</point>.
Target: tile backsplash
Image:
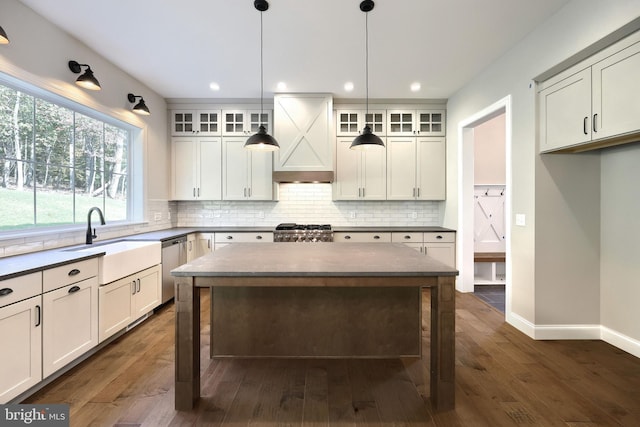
<point>311,204</point>
<point>302,203</point>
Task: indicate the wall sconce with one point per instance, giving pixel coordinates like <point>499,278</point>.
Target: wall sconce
<point>86,80</point>
<point>3,37</point>
<point>140,108</point>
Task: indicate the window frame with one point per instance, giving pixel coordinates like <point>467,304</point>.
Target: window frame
<point>134,204</point>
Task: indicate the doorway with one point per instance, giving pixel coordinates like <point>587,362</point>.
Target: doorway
<point>484,213</point>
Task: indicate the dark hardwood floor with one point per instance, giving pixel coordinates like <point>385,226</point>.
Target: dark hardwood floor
<point>503,378</point>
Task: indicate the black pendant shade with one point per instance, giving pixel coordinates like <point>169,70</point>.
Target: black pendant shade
<point>367,138</point>
<point>4,39</point>
<point>140,108</point>
<point>261,141</point>
<point>86,80</point>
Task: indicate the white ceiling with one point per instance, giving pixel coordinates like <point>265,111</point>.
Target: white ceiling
<point>178,48</point>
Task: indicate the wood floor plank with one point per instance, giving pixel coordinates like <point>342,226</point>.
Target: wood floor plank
<point>503,378</point>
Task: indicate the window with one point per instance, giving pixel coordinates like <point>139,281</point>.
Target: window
<point>57,160</point>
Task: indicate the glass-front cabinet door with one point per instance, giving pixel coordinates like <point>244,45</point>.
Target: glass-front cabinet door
<point>256,118</point>
<point>245,123</point>
<point>430,122</point>
<point>352,122</point>
<point>400,123</point>
<point>195,122</point>
<point>233,122</point>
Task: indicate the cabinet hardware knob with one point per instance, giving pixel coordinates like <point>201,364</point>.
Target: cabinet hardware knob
<point>376,237</point>
<point>74,272</point>
<point>407,237</point>
<point>5,291</point>
<point>229,237</point>
<point>74,289</point>
<point>347,237</point>
<point>259,237</point>
<point>438,237</point>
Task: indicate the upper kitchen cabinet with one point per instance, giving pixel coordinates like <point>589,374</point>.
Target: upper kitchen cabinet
<point>593,104</point>
<point>303,127</point>
<point>360,174</point>
<point>351,122</point>
<point>196,168</point>
<point>196,122</point>
<point>416,168</point>
<point>416,122</point>
<point>246,174</point>
<point>244,122</point>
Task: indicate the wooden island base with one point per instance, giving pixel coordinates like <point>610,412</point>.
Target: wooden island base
<point>354,268</point>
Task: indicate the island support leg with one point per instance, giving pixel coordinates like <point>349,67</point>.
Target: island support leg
<point>187,343</point>
<point>443,344</point>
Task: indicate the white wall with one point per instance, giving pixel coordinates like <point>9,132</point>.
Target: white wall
<point>556,270</point>
<point>38,54</point>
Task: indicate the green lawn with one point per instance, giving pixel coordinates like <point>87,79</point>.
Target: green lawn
<point>54,208</point>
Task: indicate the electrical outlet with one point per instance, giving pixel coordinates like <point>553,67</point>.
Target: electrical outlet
<point>169,215</point>
<point>413,215</point>
<point>352,214</point>
<point>260,214</point>
<point>157,216</point>
<point>521,220</point>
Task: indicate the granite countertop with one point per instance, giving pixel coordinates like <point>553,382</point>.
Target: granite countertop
<point>318,260</point>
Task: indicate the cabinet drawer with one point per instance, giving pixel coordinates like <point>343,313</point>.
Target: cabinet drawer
<point>19,288</point>
<point>58,277</point>
<point>400,237</point>
<point>445,237</point>
<point>360,237</point>
<point>243,237</point>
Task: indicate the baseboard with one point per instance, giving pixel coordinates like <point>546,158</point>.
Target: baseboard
<point>575,332</point>
<point>621,341</point>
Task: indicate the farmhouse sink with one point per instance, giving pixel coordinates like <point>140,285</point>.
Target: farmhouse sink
<point>122,258</point>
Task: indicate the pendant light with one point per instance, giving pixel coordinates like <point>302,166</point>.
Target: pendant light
<point>367,138</point>
<point>261,141</point>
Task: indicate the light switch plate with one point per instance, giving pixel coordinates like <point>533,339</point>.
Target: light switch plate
<point>521,220</point>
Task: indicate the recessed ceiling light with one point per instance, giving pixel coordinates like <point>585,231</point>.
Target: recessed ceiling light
<point>415,87</point>
<point>282,86</point>
<point>348,86</point>
<point>214,86</point>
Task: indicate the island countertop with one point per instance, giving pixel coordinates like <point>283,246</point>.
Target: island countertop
<point>314,259</point>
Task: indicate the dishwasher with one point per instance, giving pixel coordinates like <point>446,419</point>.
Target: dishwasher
<point>174,254</point>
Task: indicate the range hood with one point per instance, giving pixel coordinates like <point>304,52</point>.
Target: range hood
<point>303,176</point>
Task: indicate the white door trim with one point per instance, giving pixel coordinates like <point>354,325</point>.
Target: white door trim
<point>466,193</point>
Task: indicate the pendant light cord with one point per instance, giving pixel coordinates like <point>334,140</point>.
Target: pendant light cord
<point>261,74</point>
<point>366,55</point>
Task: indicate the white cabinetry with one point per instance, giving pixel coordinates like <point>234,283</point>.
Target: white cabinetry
<point>352,122</point>
<point>438,245</point>
<point>203,244</point>
<point>195,122</point>
<point>126,300</point>
<point>246,174</point>
<point>304,130</point>
<point>223,239</point>
<point>191,246</point>
<point>196,168</point>
<point>245,122</point>
<point>415,122</point>
<point>416,168</point>
<point>361,237</point>
<point>593,104</point>
<point>20,334</point>
<point>360,174</point>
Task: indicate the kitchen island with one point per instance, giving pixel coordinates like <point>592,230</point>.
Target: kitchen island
<point>332,266</point>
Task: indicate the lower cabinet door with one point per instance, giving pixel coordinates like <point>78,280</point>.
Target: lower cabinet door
<point>147,295</point>
<point>21,355</point>
<point>114,307</point>
<point>70,326</point>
